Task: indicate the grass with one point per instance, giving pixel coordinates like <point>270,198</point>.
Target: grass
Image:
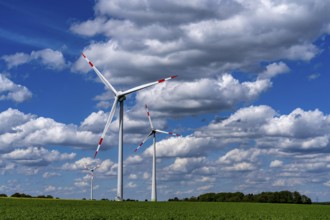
<point>78,209</point>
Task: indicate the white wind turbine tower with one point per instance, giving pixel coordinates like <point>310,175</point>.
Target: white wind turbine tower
<point>91,169</point>
<point>119,97</point>
<point>153,134</point>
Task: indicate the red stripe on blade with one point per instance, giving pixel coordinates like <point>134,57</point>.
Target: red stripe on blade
<point>161,80</point>
<point>100,142</point>
<point>83,55</point>
<point>95,153</point>
<point>90,63</point>
<point>172,77</point>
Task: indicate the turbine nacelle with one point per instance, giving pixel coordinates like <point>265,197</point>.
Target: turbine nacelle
<point>121,98</point>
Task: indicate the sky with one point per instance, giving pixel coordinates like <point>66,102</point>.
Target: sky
<point>250,99</point>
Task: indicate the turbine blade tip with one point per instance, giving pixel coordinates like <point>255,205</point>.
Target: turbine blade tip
<point>172,77</point>
<point>95,154</point>
<point>83,55</point>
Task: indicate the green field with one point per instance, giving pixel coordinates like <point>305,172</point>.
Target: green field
<point>77,209</point>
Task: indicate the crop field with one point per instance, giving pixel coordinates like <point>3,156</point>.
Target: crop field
<point>78,209</point>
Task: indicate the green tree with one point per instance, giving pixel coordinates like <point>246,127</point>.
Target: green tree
<point>207,197</point>
<point>305,200</point>
<point>297,197</point>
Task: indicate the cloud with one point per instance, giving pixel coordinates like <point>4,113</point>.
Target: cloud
<point>16,59</point>
<point>240,160</point>
<point>299,124</point>
<point>274,69</point>
<point>295,132</point>
<point>131,185</point>
<point>30,130</point>
<point>135,129</point>
<point>106,167</point>
<point>250,148</point>
<point>49,189</point>
<point>204,38</point>
<point>136,159</point>
<point>47,175</point>
<point>134,121</point>
<point>95,122</point>
<point>185,165</point>
<point>82,183</point>
<point>287,182</point>
<point>183,170</point>
<point>52,59</point>
<point>146,175</point>
<point>132,176</point>
<point>314,76</point>
<point>34,156</point>
<point>245,122</point>
<point>181,147</point>
<point>205,188</point>
<point>327,184</point>
<point>11,91</point>
<point>238,155</point>
<point>245,143</point>
<point>276,163</point>
<point>202,96</point>
<point>80,164</point>
<point>12,118</point>
<point>243,166</point>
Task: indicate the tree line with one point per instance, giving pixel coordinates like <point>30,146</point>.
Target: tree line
<point>264,197</point>
<point>23,195</point>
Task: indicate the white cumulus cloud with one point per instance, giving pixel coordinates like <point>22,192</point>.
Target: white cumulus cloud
<point>52,59</point>
<point>203,38</point>
<point>12,91</point>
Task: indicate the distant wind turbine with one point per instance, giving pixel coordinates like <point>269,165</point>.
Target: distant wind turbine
<point>153,134</point>
<point>91,169</point>
<point>119,97</point>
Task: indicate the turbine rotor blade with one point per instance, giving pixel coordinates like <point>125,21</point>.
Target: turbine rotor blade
<point>146,85</point>
<point>107,125</point>
<point>100,75</point>
<point>148,114</point>
<point>144,140</point>
<point>169,133</point>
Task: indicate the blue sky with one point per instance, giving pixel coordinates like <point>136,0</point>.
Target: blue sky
<point>250,99</point>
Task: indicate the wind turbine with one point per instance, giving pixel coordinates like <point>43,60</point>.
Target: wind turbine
<point>119,97</point>
<point>91,170</point>
<point>153,134</point>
